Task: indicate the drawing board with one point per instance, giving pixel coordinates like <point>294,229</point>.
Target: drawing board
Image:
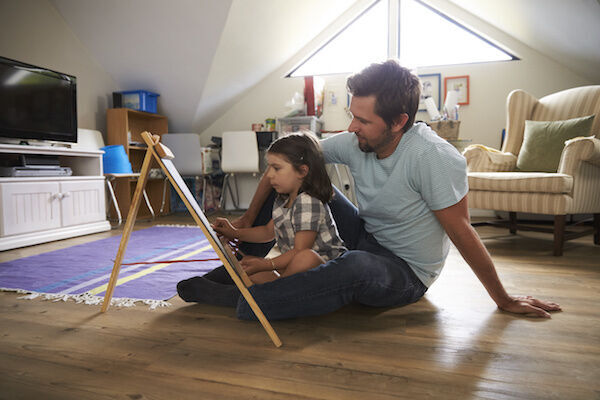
<point>163,156</point>
<point>198,215</point>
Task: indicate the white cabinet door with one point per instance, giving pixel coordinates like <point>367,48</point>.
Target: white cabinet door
<point>82,202</point>
<point>29,207</point>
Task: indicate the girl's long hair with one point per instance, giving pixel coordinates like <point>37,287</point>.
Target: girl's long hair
<point>304,149</point>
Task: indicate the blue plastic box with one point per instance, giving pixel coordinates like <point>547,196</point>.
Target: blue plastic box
<point>141,100</point>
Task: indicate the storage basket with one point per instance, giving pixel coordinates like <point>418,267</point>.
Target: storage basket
<point>447,129</point>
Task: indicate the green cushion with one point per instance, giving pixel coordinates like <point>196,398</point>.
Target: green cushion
<point>544,141</point>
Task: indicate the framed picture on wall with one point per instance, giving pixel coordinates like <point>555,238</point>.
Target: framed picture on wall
<point>431,88</point>
<point>460,83</point>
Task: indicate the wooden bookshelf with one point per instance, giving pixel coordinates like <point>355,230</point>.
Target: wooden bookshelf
<point>124,127</point>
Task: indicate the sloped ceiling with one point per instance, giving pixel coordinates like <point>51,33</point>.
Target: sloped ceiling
<point>202,55</point>
<point>260,36</point>
<point>566,31</point>
<point>162,46</point>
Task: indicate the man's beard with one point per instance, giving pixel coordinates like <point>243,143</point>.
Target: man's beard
<point>386,139</point>
<point>365,148</point>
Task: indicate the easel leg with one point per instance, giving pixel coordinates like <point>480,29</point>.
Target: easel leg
<point>242,286</point>
<point>242,282</point>
<point>259,314</point>
<point>163,156</point>
<point>131,215</point>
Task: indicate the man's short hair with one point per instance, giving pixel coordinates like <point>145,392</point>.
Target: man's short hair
<point>396,89</point>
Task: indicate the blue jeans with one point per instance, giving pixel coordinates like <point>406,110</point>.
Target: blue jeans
<point>367,274</point>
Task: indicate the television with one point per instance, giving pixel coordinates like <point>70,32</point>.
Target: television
<point>37,103</point>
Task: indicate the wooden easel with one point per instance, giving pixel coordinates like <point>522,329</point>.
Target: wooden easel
<point>163,156</point>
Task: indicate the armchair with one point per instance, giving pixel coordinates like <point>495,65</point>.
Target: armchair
<point>496,184</point>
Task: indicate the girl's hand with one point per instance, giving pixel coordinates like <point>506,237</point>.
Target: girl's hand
<point>252,264</point>
<point>224,228</point>
<point>241,222</point>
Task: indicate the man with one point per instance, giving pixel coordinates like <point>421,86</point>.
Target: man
<point>411,188</point>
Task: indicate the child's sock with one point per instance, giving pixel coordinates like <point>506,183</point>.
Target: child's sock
<point>200,290</point>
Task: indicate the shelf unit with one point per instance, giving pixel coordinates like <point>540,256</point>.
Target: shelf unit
<point>124,126</point>
<point>42,209</point>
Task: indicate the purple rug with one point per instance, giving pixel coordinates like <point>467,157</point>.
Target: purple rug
<point>82,272</point>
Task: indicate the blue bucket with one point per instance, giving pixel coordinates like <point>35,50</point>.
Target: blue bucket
<point>115,160</point>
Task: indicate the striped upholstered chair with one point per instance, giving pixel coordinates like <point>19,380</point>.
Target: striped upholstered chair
<point>496,184</point>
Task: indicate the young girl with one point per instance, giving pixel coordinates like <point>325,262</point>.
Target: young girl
<point>301,221</point>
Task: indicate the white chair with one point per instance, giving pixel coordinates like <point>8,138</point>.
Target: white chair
<point>341,177</point>
<point>239,154</point>
<point>190,158</point>
<point>88,139</point>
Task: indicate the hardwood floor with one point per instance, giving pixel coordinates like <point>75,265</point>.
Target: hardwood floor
<point>452,344</point>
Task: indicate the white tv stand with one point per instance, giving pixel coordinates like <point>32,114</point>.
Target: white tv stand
<point>42,209</point>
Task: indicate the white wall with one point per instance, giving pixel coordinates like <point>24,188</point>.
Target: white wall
<point>265,25</point>
<point>490,83</point>
<point>32,31</point>
<point>481,121</point>
<point>484,118</point>
<point>267,98</point>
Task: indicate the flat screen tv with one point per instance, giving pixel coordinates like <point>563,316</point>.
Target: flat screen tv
<point>37,103</point>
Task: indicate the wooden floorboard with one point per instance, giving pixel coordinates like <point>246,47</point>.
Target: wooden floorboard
<point>452,344</point>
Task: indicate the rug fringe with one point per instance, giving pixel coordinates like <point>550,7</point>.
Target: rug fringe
<point>87,298</point>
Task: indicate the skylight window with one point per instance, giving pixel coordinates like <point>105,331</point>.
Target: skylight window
<point>430,38</point>
<point>362,42</point>
<point>427,38</point>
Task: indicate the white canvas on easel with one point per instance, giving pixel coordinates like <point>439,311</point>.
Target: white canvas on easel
<point>163,156</point>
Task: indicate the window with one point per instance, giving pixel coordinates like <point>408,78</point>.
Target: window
<point>359,44</point>
<point>426,38</point>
